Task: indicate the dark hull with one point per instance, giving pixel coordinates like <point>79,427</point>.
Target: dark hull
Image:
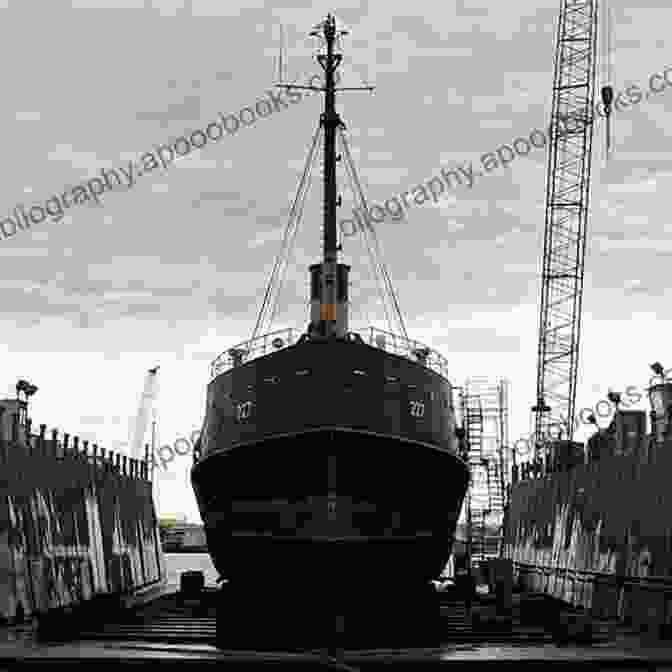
<point>330,503</point>
<point>353,504</point>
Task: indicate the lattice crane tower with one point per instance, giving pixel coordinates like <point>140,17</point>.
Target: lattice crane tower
<point>567,206</point>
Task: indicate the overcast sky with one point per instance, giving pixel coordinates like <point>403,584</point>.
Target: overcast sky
<point>172,271</point>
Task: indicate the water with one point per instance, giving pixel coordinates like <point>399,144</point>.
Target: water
<point>176,563</point>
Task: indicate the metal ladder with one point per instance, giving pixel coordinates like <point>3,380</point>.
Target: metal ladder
<point>478,501</point>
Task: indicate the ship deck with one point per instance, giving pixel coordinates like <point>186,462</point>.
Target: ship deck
<point>163,626</point>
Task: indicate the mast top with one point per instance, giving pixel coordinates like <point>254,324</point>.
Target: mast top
<point>328,28</point>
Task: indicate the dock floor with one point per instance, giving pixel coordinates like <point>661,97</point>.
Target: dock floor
<point>163,627</point>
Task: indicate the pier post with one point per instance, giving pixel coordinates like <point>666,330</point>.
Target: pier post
<point>29,438</point>
<point>3,443</point>
<point>502,583</point>
<point>15,427</point>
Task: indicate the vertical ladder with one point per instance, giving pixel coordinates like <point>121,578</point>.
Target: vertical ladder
<point>478,497</point>
<point>494,399</point>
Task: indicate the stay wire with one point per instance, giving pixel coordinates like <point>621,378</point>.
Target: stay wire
<point>286,236</point>
<point>299,216</point>
<point>374,266</point>
<point>376,242</point>
<point>292,227</point>
<point>377,247</point>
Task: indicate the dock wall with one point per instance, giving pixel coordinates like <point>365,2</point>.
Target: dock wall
<point>598,536</point>
<point>74,523</point>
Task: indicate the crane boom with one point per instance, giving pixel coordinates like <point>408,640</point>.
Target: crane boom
<point>567,196</point>
<point>146,408</point>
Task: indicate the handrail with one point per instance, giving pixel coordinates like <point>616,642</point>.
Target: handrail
<point>405,347</point>
<point>252,349</point>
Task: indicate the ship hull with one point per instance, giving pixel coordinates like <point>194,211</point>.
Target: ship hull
<point>351,506</point>
<point>330,459</point>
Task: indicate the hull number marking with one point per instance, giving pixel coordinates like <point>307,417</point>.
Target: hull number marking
<point>417,409</point>
<point>244,410</point>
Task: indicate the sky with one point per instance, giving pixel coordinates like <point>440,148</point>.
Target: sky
<point>172,271</point>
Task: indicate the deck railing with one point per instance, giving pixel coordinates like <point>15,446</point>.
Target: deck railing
<point>253,349</point>
<point>404,347</point>
<point>277,340</point>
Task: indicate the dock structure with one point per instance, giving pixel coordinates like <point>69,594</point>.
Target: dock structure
<point>77,522</point>
<point>587,525</point>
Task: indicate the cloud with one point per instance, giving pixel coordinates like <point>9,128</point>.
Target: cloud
<point>186,110</point>
<point>648,186</point>
<point>28,116</point>
<point>607,244</point>
<point>274,235</point>
<point>217,197</point>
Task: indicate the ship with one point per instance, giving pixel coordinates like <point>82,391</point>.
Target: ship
<point>333,456</point>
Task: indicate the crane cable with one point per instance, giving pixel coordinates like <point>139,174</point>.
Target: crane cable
<point>607,91</point>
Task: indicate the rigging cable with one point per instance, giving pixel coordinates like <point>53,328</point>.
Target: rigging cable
<point>285,241</point>
<point>376,242</point>
<point>371,253</point>
<point>299,216</point>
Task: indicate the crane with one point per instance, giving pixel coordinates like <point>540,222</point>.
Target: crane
<point>566,214</point>
<point>146,407</point>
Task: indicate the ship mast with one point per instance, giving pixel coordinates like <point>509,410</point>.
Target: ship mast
<point>330,276</point>
<point>330,121</point>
